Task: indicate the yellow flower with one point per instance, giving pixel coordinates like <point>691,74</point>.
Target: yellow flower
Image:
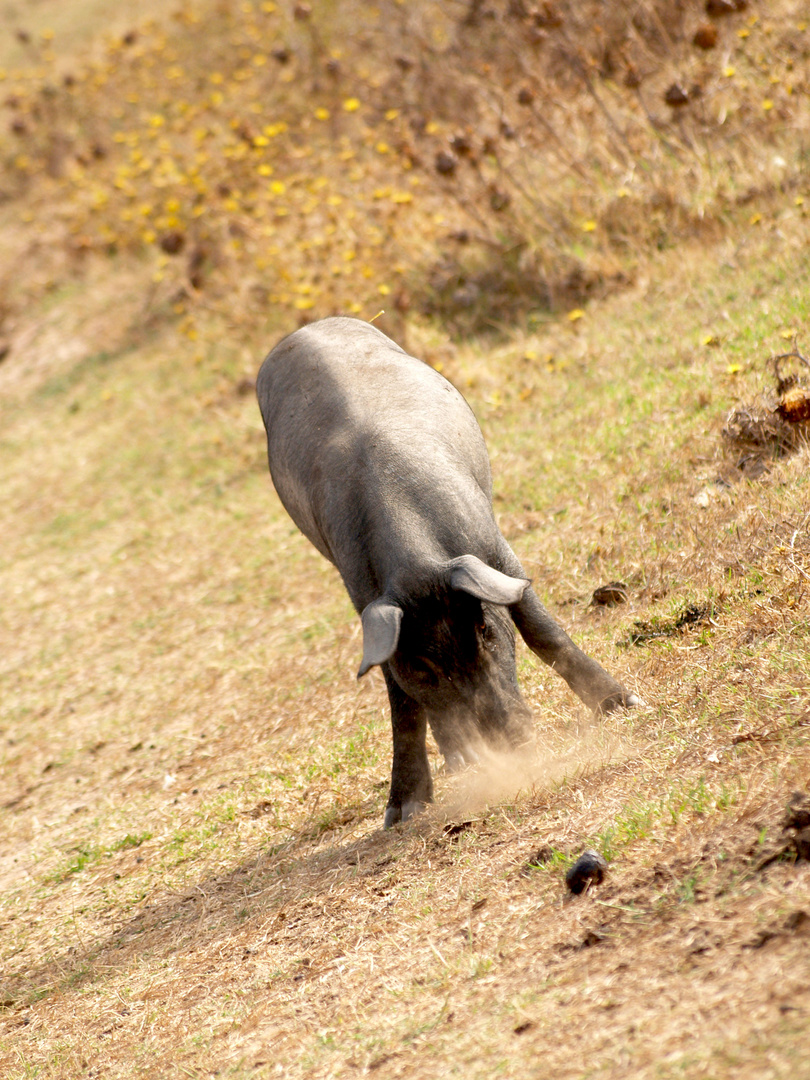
<point>732,369</point>
<point>576,315</point>
<point>589,226</point>
<point>322,114</point>
<point>767,104</point>
<point>351,104</point>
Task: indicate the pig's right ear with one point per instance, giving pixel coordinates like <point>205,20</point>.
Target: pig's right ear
<point>381,620</point>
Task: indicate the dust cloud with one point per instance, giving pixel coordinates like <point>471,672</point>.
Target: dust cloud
<point>550,758</point>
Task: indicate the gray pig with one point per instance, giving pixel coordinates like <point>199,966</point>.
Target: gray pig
<point>381,464</point>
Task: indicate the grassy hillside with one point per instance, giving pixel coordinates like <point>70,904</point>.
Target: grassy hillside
<point>193,878</point>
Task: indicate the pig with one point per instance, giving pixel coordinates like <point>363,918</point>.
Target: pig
<point>381,464</point>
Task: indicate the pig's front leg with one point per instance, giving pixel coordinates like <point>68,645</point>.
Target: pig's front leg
<point>411,782</point>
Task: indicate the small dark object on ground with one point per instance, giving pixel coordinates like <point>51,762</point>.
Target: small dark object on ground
<point>590,868</point>
<point>453,829</point>
<point>717,8</point>
<point>446,163</point>
<point>797,814</point>
<point>794,844</point>
<point>796,823</point>
<point>705,36</point>
<point>615,592</point>
<point>691,615</point>
<point>676,97</point>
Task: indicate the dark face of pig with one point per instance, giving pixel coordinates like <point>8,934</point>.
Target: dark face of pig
<point>456,658</point>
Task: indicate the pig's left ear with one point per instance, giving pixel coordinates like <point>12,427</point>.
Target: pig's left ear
<point>469,574</point>
<point>381,621</point>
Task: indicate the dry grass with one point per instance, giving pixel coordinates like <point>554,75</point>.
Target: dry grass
<point>192,876</point>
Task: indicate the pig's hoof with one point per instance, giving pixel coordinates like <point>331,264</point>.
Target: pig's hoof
<point>409,809</point>
<point>624,700</point>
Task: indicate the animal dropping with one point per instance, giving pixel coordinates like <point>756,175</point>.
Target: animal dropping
<point>589,869</point>
<point>380,462</point>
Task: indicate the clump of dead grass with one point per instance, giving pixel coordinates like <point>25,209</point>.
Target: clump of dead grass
<point>778,424</point>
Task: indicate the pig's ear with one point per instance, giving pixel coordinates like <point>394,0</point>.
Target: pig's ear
<point>381,621</point>
<point>471,575</point>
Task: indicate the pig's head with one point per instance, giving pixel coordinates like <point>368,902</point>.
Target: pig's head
<point>450,645</point>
